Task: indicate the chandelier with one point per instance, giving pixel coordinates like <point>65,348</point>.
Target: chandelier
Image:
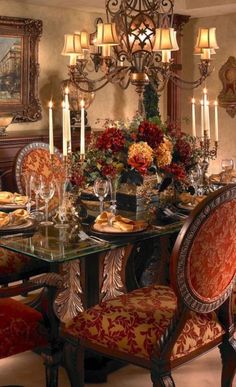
<point>134,46</point>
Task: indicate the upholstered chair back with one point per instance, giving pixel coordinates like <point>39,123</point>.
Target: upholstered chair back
<point>203,262</point>
<point>35,158</point>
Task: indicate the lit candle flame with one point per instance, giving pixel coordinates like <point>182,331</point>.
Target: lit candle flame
<point>50,105</point>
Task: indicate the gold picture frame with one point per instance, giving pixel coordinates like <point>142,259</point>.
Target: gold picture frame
<point>19,68</point>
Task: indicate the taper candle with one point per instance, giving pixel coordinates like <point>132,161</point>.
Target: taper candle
<point>202,118</point>
<point>193,118</point>
<point>51,140</point>
<point>82,129</point>
<point>216,122</point>
<point>64,130</point>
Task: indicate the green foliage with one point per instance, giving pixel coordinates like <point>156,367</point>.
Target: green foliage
<point>151,101</point>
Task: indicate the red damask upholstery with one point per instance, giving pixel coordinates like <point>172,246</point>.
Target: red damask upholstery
<point>211,263</point>
<point>21,328</point>
<point>15,266</point>
<point>132,323</point>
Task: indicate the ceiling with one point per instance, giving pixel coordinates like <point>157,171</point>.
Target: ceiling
<point>199,8</point>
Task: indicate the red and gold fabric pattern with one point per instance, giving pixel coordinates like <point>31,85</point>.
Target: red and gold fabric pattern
<point>13,264</point>
<point>212,260</point>
<point>20,328</point>
<point>134,322</point>
<point>38,161</point>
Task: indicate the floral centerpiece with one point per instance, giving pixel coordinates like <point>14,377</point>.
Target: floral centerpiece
<point>131,150</point>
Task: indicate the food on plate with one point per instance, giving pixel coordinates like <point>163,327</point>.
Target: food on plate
<point>224,177</point>
<point>6,197</point>
<point>12,198</point>
<point>12,219</point>
<point>4,219</point>
<point>19,216</point>
<point>108,222</point>
<point>188,199</point>
<point>20,199</point>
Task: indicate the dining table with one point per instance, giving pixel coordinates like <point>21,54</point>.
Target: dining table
<point>93,267</point>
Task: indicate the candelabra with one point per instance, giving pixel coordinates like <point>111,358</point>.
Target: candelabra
<point>207,153</point>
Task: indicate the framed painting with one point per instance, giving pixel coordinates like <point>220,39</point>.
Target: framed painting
<point>19,68</point>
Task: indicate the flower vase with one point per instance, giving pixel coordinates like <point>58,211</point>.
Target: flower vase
<point>113,182</point>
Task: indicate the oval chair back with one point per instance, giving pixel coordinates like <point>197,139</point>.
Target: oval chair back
<point>203,261</point>
<point>35,157</point>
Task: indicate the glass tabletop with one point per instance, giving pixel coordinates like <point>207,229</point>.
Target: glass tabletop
<point>58,245</point>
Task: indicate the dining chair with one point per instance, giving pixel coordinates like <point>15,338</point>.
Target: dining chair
<point>35,158</point>
<point>24,328</point>
<point>162,327</point>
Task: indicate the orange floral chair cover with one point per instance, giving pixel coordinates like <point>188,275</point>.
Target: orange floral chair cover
<point>132,324</point>
<point>162,327</point>
<point>35,158</point>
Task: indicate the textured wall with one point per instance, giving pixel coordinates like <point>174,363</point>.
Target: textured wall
<point>109,102</point>
<point>226,37</point>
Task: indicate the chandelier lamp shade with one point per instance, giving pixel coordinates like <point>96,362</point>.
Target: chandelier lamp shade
<point>134,46</point>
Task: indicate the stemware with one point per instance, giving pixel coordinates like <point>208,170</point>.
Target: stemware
<point>35,184</point>
<point>101,189</point>
<point>27,183</point>
<point>46,192</point>
<point>227,165</point>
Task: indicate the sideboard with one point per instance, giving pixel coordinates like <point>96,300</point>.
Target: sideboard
<point>14,141</point>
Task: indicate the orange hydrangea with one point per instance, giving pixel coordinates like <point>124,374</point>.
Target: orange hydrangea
<point>140,156</point>
<point>164,153</point>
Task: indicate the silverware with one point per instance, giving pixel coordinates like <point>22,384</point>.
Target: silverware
<point>84,236</point>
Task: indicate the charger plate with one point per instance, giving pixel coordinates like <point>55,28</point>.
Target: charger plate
<point>27,225</point>
<point>12,206</point>
<point>112,231</point>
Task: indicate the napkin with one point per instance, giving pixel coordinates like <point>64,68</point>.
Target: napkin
<point>224,177</point>
<point>187,198</point>
<point>118,223</point>
<point>6,197</point>
<point>12,198</point>
<point>14,218</point>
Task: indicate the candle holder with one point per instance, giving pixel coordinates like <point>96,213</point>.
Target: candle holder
<point>207,153</point>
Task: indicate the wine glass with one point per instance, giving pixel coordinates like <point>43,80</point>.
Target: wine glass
<point>46,192</point>
<point>227,165</point>
<point>27,183</point>
<point>101,189</point>
<point>35,184</point>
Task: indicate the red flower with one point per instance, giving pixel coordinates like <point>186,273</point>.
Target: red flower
<point>108,170</point>
<point>173,130</point>
<point>141,164</point>
<point>176,170</point>
<point>111,138</point>
<point>77,179</point>
<point>150,133</point>
<point>183,151</point>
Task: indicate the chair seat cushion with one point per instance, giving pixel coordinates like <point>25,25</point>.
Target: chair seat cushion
<point>133,322</point>
<point>21,328</point>
<point>14,266</point>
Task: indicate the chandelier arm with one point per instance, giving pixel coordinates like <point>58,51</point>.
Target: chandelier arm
<point>184,84</point>
<point>93,88</point>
